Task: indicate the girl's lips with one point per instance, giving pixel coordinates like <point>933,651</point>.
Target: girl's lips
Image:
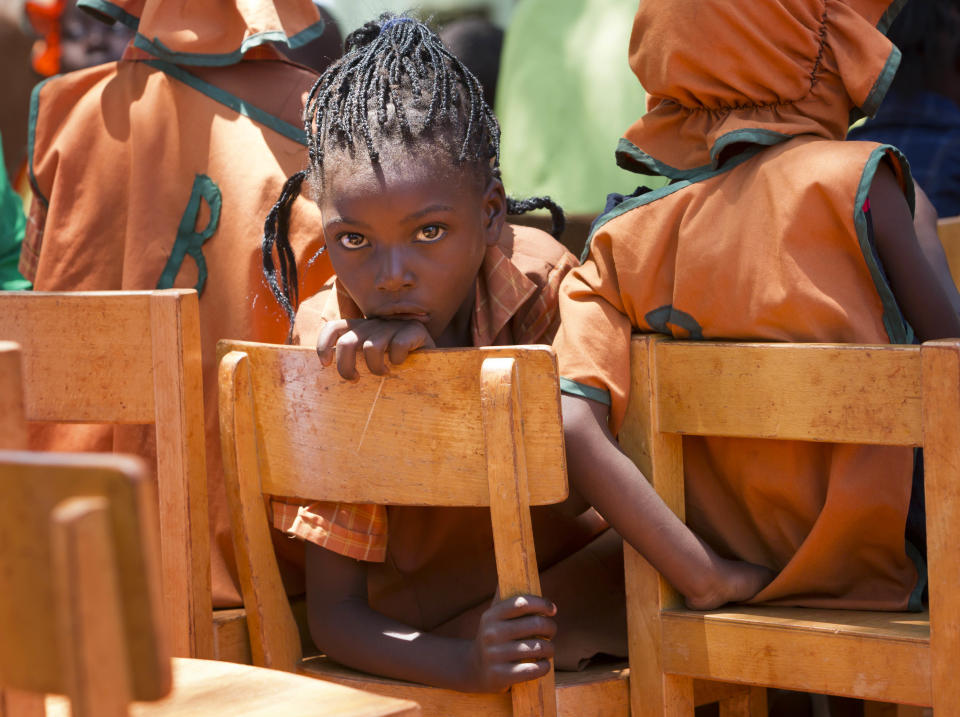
<point>404,315</point>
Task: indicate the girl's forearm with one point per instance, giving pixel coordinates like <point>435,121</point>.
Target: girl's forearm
<point>353,634</point>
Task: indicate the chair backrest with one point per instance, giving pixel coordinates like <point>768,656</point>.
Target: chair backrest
<point>13,427</point>
<point>131,358</point>
<point>80,608</point>
<point>948,229</point>
<point>838,393</point>
<point>461,427</point>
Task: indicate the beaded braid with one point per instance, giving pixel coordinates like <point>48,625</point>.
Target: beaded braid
<point>396,62</point>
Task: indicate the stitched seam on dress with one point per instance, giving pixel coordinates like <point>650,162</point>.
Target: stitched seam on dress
<point>814,71</point>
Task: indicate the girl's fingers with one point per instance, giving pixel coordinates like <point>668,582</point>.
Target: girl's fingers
<point>328,337</point>
<point>510,673</point>
<point>346,353</point>
<point>413,335</point>
<point>521,605</point>
<point>520,628</point>
<point>526,650</point>
<point>375,347</point>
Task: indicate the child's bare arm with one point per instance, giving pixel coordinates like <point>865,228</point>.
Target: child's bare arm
<point>344,626</point>
<point>610,481</point>
<point>376,339</point>
<point>920,279</point>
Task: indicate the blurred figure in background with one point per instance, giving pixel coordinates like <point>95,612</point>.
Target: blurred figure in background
<point>477,43</point>
<point>921,114</point>
<point>565,94</point>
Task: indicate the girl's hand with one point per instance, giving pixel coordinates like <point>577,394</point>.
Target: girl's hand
<point>377,338</point>
<point>513,644</point>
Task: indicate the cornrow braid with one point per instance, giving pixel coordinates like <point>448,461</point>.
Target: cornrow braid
<point>396,81</point>
<point>276,233</point>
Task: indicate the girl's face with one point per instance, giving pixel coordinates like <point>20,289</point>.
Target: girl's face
<point>407,238</point>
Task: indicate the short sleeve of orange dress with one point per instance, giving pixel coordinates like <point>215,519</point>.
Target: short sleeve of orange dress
<point>593,343</point>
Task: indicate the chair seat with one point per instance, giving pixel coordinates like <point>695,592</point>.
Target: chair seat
<point>828,651</point>
<point>597,690</point>
<point>209,687</point>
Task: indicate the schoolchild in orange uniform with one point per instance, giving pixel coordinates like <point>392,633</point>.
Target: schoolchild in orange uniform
<point>155,172</point>
<point>772,228</point>
<point>403,162</point>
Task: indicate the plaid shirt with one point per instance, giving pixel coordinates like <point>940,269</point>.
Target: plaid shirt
<point>516,303</point>
<point>925,127</point>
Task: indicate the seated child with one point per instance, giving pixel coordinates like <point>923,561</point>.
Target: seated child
<point>403,163</point>
<point>771,229</point>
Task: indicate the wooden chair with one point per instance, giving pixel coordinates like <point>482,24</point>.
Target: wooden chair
<point>131,358</point>
<point>78,540</point>
<point>948,230</point>
<point>477,417</point>
<point>13,427</point>
<point>890,395</point>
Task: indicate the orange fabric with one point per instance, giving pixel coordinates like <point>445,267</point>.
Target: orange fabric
<point>213,27</point>
<point>757,242</point>
<point>516,303</point>
<point>784,263</point>
<point>117,151</point>
<point>712,68</point>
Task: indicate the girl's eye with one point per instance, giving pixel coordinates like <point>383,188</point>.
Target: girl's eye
<point>352,240</point>
<point>431,233</point>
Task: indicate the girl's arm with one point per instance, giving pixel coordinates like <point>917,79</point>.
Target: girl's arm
<point>609,481</point>
<point>920,278</point>
<point>344,626</point>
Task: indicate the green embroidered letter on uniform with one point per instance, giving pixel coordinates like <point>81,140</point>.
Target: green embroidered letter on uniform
<point>189,240</point>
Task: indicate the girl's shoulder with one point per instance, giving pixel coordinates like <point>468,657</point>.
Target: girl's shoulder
<point>534,250</point>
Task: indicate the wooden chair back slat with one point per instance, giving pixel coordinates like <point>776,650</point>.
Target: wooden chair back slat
<point>347,447</point>
<point>809,392</point>
<point>948,229</point>
<point>96,345</point>
<point>131,358</point>
<point>32,485</point>
<point>476,427</point>
<point>13,426</point>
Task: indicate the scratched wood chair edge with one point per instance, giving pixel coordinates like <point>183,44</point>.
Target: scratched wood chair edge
<point>946,412</point>
<point>13,425</point>
<point>264,597</point>
<point>174,404</point>
<point>181,459</point>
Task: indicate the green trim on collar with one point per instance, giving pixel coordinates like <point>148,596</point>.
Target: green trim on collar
<point>897,328</point>
<point>162,52</point>
<point>32,139</point>
<point>880,87</point>
<point>235,103</point>
<point>655,194</point>
<point>582,390</point>
<point>634,159</point>
<point>753,136</point>
<point>890,15</point>
<point>104,7</point>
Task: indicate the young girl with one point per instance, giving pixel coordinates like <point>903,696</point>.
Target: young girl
<point>772,228</point>
<point>403,163</point>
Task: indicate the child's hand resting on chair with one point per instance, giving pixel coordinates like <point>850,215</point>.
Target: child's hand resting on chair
<point>375,338</point>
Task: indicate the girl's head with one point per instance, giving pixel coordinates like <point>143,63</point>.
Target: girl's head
<point>404,164</point>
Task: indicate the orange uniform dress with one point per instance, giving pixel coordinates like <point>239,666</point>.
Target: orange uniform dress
<point>433,568</point>
<point>762,234</point>
<point>157,171</point>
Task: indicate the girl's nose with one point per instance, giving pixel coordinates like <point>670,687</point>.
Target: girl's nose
<point>394,274</point>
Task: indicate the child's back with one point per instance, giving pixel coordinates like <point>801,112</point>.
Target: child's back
<point>764,234</point>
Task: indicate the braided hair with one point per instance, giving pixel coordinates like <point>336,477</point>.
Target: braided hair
<point>395,85</point>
